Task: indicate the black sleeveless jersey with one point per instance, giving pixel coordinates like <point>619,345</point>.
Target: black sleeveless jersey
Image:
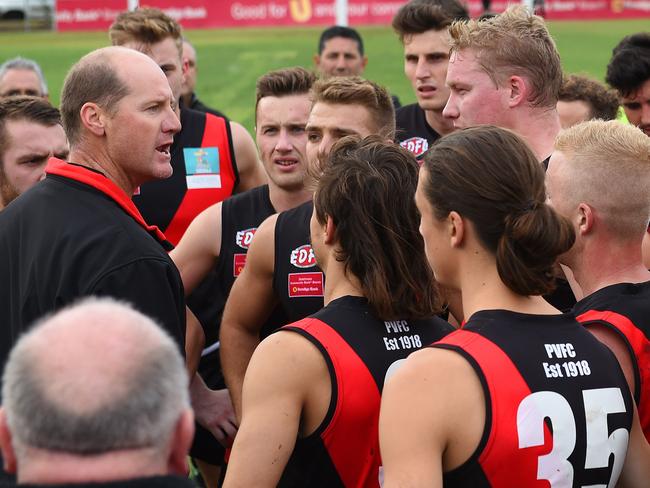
<point>360,351</point>
<point>297,281</point>
<point>557,403</point>
<point>413,131</point>
<point>204,173</point>
<point>625,308</point>
<point>240,216</point>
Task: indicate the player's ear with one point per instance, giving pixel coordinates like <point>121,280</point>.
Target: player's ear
<point>330,231</point>
<point>518,88</point>
<point>456,228</point>
<point>585,219</point>
<point>317,60</point>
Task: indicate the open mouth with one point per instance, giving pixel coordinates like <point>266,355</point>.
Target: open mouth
<point>286,162</point>
<point>164,149</point>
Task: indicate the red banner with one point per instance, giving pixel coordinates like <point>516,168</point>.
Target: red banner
<point>87,15</point>
<point>98,15</point>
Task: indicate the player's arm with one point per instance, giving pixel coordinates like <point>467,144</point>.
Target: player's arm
<point>636,470</point>
<point>250,169</point>
<point>278,381</point>
<point>422,408</point>
<point>200,246</point>
<point>249,304</point>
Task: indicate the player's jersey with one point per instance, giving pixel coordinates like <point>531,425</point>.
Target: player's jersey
<point>359,350</point>
<point>413,131</point>
<point>557,403</point>
<point>204,173</point>
<point>297,281</point>
<point>625,308</point>
<point>240,217</point>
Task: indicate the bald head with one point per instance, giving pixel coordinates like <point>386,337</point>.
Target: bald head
<point>94,378</point>
<point>605,165</point>
<point>103,77</point>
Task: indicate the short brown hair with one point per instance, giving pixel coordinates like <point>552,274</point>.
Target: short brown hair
<point>30,109</point>
<point>283,82</point>
<point>418,16</point>
<point>603,102</point>
<point>146,26</point>
<point>608,167</point>
<point>366,187</point>
<point>515,42</point>
<point>92,79</point>
<point>354,90</point>
<point>491,177</point>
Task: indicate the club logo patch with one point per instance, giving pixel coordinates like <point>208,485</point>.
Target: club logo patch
<point>303,257</point>
<point>238,263</point>
<point>243,238</point>
<point>416,145</point>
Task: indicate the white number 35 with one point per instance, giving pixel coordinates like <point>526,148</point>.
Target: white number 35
<point>554,466</point>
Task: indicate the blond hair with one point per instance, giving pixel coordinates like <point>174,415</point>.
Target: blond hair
<point>145,26</point>
<point>515,42</point>
<point>608,168</point>
<point>354,90</point>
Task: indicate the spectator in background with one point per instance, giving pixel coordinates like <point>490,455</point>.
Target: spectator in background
<point>629,73</point>
<point>30,133</point>
<point>96,393</point>
<point>422,27</point>
<point>341,53</point>
<point>20,76</point>
<point>188,97</point>
<point>583,98</point>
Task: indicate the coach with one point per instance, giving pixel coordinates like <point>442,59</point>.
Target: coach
<point>78,233</point>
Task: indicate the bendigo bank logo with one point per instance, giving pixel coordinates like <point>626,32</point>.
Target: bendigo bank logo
<point>244,237</point>
<point>303,257</point>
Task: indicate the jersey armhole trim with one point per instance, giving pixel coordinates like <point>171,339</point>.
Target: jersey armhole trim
<point>487,428</point>
<point>331,409</point>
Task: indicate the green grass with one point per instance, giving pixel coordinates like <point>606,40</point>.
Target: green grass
<point>231,60</point>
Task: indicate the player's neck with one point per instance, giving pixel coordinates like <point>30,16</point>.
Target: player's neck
<point>489,292</point>
<point>596,268</point>
<point>438,123</point>
<point>285,200</point>
<point>539,128</point>
<point>338,283</point>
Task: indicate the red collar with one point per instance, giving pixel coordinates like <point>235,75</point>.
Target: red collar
<point>101,183</point>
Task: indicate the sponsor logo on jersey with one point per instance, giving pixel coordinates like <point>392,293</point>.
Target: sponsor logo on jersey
<point>305,285</point>
<point>243,238</point>
<point>416,145</point>
<point>303,257</point>
<point>238,263</point>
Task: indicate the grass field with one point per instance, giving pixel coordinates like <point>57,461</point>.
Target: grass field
<point>231,60</point>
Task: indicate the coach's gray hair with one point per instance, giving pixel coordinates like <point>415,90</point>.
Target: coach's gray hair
<point>26,64</point>
<point>141,413</point>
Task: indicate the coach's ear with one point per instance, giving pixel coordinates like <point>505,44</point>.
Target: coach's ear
<point>180,443</point>
<point>93,118</point>
<point>7,449</point>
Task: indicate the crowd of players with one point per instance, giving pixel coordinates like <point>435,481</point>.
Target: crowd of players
<point>507,201</point>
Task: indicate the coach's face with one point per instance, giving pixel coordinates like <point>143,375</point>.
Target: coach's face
<point>140,131</point>
<point>329,122</point>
